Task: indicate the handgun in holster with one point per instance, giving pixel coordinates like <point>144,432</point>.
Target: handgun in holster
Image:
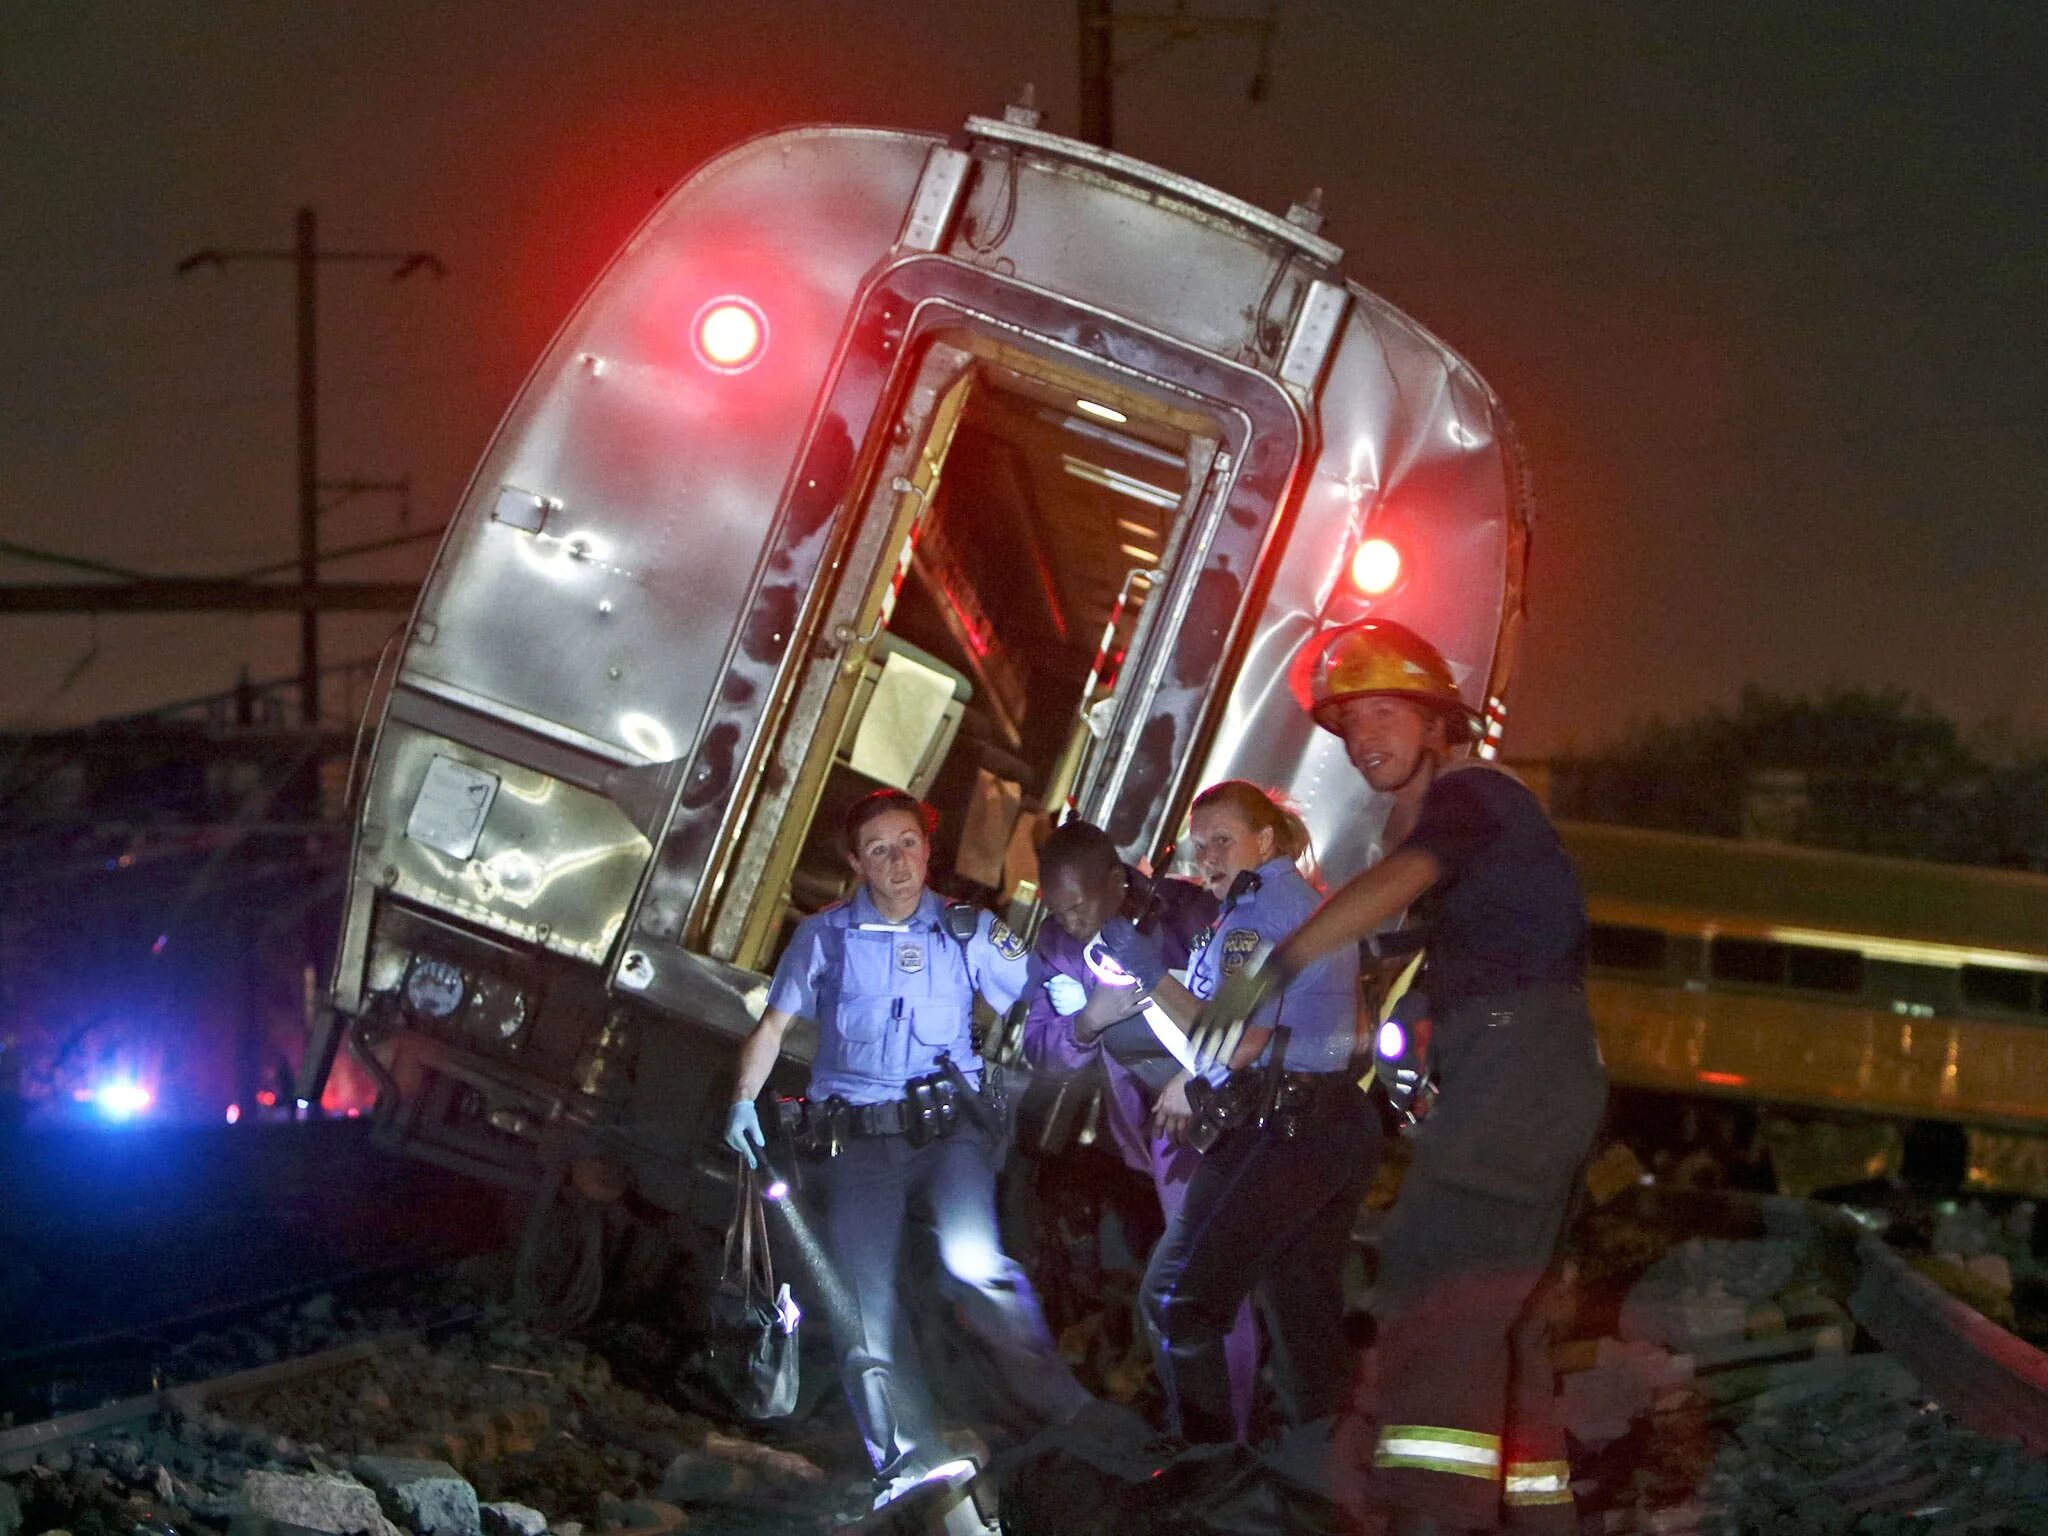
<point>1216,1110</point>
<point>1246,1098</point>
<point>928,1111</point>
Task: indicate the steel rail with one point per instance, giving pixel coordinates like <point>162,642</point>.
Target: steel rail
<point>22,1447</point>
<point>1986,1378</point>
<point>1990,1380</point>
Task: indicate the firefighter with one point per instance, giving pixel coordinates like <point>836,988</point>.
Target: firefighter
<point>1271,1203</point>
<point>893,1113</point>
<point>1087,1013</point>
<point>1466,1437</point>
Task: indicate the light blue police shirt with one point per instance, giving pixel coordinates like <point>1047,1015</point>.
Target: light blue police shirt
<point>1320,1007</point>
<point>891,998</point>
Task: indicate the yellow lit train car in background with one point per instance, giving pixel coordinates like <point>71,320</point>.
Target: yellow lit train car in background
<point>1847,998</point>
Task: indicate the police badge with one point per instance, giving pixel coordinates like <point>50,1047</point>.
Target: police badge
<point>1008,943</point>
<point>1239,945</point>
<point>910,956</point>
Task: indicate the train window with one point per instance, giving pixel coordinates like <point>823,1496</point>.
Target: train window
<point>1823,970</point>
<point>2001,987</point>
<point>1809,967</point>
<point>1616,947</point>
<point>1911,989</point>
<point>1756,961</point>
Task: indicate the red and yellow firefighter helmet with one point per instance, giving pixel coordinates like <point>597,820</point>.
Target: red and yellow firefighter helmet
<point>1376,656</point>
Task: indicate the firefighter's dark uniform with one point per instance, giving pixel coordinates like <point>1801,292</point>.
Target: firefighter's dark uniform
<point>891,1001</point>
<point>1467,1433</point>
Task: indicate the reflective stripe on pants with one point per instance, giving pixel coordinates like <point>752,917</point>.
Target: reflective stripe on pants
<point>1429,1448</point>
<point>1537,1482</point>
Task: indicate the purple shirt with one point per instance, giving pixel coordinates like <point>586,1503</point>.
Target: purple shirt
<point>1185,912</point>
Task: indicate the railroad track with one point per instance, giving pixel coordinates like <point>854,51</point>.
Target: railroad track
<point>1993,1382</point>
<point>1802,1376</point>
<point>25,1445</point>
<point>1841,1392</point>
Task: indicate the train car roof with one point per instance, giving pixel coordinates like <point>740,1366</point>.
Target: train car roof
<point>1939,913</point>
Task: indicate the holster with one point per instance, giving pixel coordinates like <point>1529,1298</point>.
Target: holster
<point>1258,1098</point>
<point>1218,1111</point>
<point>931,1108</point>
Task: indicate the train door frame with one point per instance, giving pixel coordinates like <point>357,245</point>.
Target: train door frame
<point>1267,439</point>
<point>899,500</point>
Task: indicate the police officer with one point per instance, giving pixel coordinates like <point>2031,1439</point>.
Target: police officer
<point>1466,1437</point>
<point>1091,1014</point>
<point>1271,1204</point>
<point>891,989</point>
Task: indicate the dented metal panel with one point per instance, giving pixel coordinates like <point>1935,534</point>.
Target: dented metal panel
<point>1413,448</point>
<point>549,863</point>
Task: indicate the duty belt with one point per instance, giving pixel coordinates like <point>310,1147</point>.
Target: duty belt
<point>931,1107</point>
<point>1312,1090</point>
<point>890,1119</point>
<point>1267,1098</point>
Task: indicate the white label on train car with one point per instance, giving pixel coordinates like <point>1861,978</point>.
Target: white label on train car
<point>448,813</point>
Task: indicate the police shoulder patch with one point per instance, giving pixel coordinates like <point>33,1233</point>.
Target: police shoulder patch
<point>1239,945</point>
<point>1009,944</point>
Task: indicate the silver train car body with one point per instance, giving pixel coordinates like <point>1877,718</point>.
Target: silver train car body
<point>1025,472</point>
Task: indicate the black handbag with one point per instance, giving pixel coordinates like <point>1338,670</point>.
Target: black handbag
<point>747,1363</point>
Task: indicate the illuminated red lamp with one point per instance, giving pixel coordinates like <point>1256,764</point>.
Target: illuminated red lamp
<point>1375,567</point>
<point>729,334</point>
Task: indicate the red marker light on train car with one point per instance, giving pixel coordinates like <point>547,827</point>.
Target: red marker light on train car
<point>1375,567</point>
<point>730,333</point>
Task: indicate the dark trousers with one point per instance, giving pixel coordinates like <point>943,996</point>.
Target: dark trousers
<point>1273,1215</point>
<point>1467,1426</point>
<point>1468,1432</point>
<point>865,1197</point>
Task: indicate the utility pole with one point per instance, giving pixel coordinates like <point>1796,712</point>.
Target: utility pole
<point>1099,25</point>
<point>306,260</point>
<point>305,256</point>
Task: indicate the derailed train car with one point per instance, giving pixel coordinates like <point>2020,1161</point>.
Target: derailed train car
<point>1002,468</point>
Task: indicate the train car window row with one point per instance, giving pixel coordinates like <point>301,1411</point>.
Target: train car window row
<point>1767,963</point>
<point>1909,988</point>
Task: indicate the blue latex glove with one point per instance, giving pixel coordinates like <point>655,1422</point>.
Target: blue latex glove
<point>1138,953</point>
<point>743,1126</point>
<point>1068,996</point>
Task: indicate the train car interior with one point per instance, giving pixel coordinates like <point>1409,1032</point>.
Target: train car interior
<point>1016,590</point>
